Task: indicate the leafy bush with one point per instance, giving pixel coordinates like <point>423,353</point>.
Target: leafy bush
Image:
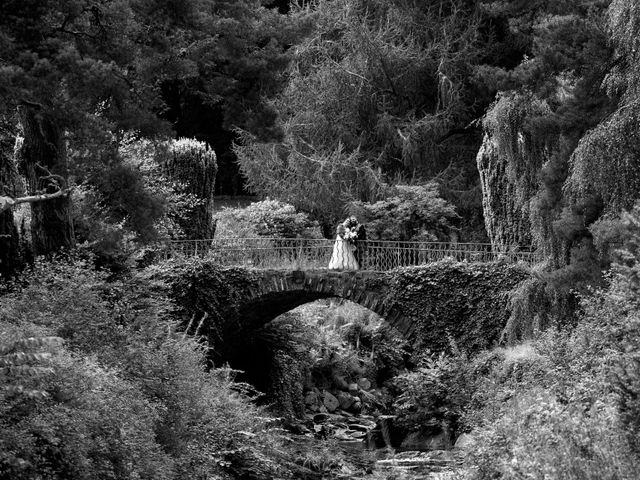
<point>137,197</point>
<point>268,218</point>
<point>439,389</point>
<point>127,396</point>
<point>574,412</point>
<point>408,212</point>
<point>537,436</point>
<point>92,424</point>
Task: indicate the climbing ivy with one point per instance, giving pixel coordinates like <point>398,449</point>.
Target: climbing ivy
<point>438,302</point>
<point>466,303</point>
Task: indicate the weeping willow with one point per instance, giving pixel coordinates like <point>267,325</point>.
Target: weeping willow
<point>606,164</point>
<point>509,161</point>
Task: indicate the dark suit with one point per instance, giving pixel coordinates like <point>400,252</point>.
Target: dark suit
<point>361,247</point>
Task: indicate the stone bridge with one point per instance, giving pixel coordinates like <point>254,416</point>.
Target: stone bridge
<point>428,304</point>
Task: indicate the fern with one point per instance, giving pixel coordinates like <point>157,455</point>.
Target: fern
<point>23,363</point>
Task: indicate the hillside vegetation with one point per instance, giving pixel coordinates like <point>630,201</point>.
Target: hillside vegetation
<point>508,122</point>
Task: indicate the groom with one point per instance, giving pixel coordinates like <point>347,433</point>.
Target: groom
<point>361,246</point>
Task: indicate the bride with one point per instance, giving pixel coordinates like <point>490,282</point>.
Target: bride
<point>342,257</point>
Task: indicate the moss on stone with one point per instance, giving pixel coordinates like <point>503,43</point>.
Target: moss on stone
<point>430,304</point>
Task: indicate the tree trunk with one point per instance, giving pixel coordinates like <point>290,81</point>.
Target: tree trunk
<point>43,163</point>
<point>10,255</point>
<point>11,258</point>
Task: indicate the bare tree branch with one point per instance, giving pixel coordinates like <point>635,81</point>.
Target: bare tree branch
<point>8,202</point>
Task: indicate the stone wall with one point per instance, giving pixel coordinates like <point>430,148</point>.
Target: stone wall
<point>429,305</point>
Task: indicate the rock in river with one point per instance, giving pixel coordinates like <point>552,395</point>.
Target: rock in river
<point>346,400</point>
<point>330,402</point>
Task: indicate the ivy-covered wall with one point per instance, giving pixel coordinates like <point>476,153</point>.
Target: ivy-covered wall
<point>467,302</point>
<point>430,304</point>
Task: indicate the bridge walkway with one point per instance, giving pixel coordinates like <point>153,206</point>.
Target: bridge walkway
<point>314,254</point>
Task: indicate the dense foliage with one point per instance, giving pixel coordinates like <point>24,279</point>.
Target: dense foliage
<point>268,218</point>
<point>512,121</point>
<point>125,396</point>
<point>408,212</point>
<point>81,78</point>
<point>378,88</point>
<point>563,406</point>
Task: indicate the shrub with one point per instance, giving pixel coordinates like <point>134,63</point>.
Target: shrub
<point>576,415</point>
<point>408,212</point>
<point>439,389</point>
<point>268,218</point>
<point>128,397</point>
<point>536,436</point>
<point>192,166</point>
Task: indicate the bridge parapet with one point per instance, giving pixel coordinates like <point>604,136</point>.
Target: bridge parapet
<point>311,254</point>
<point>427,304</point>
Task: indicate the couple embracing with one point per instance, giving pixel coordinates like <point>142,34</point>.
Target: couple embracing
<point>349,249</point>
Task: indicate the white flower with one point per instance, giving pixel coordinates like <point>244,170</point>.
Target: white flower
<point>349,234</point>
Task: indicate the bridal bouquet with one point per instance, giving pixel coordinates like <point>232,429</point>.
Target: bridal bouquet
<point>351,226</point>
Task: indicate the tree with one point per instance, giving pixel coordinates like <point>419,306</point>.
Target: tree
<point>376,89</point>
<point>409,212</point>
<point>605,164</point>
<point>548,100</point>
<point>10,258</point>
<point>82,72</point>
<point>574,151</point>
<point>238,75</point>
<point>193,164</point>
<point>320,182</point>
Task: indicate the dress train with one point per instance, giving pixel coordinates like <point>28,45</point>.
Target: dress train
<point>342,257</point>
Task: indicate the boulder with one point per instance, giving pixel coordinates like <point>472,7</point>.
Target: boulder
<point>330,402</point>
<point>353,387</point>
<point>337,418</point>
<point>311,398</point>
<point>357,406</point>
<point>364,383</point>
<point>361,428</point>
<point>363,422</point>
<point>346,400</point>
<point>340,382</point>
<point>341,434</point>
<point>357,435</point>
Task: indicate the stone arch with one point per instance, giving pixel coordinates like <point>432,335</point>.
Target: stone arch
<point>277,292</point>
<point>429,305</point>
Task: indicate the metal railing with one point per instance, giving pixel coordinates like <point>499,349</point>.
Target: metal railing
<point>370,255</point>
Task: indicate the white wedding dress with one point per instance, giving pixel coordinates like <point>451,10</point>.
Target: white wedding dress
<point>342,257</point>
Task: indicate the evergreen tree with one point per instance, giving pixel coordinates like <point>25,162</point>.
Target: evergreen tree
<point>377,89</point>
<point>82,72</point>
<point>193,164</point>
